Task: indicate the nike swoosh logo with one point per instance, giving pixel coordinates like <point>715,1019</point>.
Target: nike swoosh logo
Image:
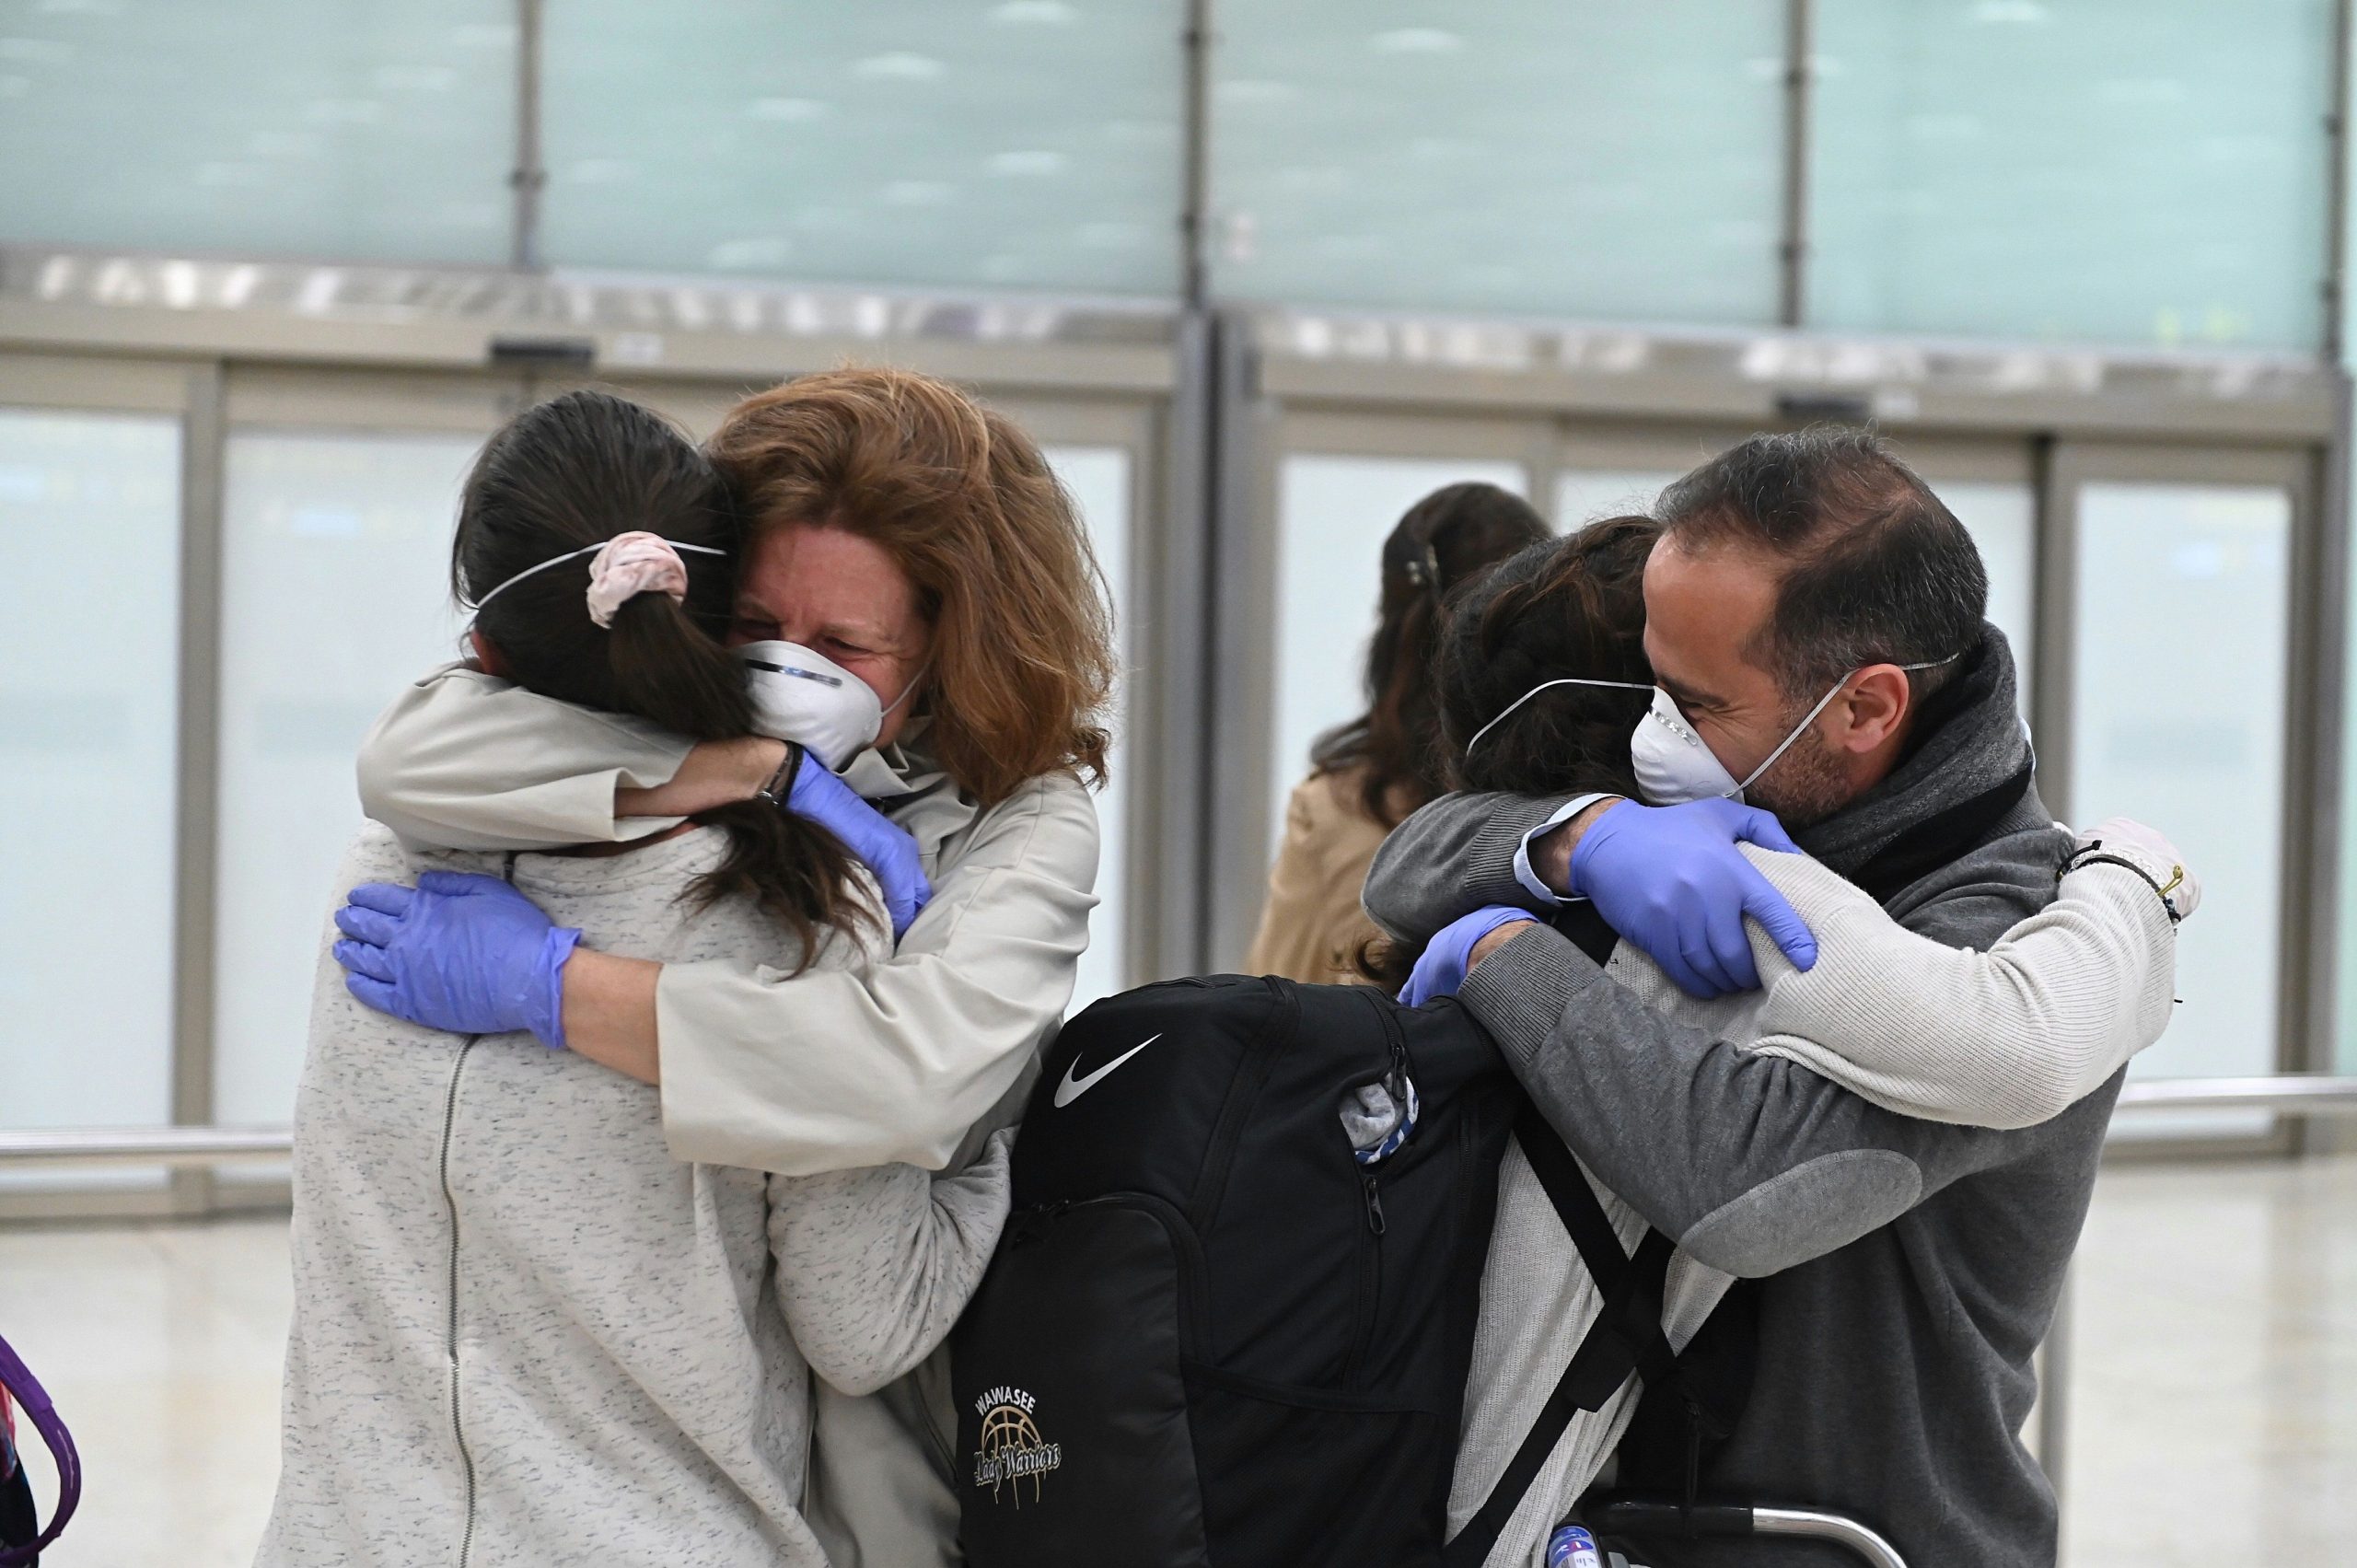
<point>1072,1089</point>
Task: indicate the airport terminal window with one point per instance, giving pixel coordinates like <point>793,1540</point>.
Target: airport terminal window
<point>382,132</point>
<point>90,663</point>
<point>1026,143</point>
<point>1616,162</point>
<point>335,591</point>
<point>2137,171</point>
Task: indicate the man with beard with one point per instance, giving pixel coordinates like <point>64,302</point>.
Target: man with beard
<point>1815,622</point>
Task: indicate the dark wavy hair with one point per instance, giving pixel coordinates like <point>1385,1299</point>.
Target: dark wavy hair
<point>572,473</point>
<point>1443,539</point>
<point>1574,608</point>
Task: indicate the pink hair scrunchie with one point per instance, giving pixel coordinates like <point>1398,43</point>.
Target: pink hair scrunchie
<point>630,564</point>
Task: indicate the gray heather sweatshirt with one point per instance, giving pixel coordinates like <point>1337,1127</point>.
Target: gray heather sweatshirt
<point>1912,1267</point>
<point>523,1333</point>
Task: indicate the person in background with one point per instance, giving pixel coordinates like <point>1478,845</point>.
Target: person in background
<point>1367,775</point>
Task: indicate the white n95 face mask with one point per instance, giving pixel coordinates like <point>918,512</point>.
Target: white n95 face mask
<point>805,697</point>
<point>1673,765</point>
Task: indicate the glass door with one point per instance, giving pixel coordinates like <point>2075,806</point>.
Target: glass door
<point>2183,622</point>
<point>340,492</point>
<point>91,480</point>
<point>1297,598</point>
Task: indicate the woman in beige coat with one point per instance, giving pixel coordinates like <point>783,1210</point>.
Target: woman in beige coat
<point>1368,774</point>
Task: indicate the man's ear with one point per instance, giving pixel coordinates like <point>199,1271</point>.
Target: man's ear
<point>487,654</point>
<point>1872,710</point>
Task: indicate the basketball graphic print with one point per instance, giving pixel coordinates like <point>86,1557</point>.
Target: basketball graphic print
<point>1010,1450</point>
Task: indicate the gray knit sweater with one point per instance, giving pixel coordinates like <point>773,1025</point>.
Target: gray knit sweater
<point>523,1333</point>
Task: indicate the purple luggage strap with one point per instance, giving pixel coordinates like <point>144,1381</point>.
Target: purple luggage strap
<point>33,1399</point>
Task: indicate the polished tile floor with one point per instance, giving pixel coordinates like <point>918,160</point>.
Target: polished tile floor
<point>2214,1386</point>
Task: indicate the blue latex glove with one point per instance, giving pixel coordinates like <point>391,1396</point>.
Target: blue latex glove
<point>459,952</point>
<point>1440,971</point>
<point>1670,879</point>
<point>818,796</point>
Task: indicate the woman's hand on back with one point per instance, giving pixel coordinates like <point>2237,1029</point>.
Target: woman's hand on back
<point>458,952</point>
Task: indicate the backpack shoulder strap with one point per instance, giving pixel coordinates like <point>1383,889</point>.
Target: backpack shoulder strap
<point>1625,1337</point>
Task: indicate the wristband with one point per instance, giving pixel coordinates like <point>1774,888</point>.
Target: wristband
<point>2096,854</point>
<point>781,784</point>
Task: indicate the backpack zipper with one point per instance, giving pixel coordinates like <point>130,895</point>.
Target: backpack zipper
<point>1371,1274</point>
<point>450,1343</point>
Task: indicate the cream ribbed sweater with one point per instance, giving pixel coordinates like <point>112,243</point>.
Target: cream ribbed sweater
<point>2003,1038</point>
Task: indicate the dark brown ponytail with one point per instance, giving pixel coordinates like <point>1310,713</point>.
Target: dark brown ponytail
<point>574,472</point>
<point>1570,608</point>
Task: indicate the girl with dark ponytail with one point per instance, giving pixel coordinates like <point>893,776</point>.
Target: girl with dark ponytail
<point>522,1320</point>
<point>1368,774</point>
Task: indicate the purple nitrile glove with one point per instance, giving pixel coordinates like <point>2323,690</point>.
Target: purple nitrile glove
<point>1670,879</point>
<point>882,844</point>
<point>1440,969</point>
<point>459,952</point>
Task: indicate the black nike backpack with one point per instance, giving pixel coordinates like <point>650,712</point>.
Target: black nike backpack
<point>1210,1336</point>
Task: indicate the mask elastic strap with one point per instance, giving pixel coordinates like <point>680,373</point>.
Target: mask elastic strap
<point>1544,686</point>
<point>1822,703</point>
<point>476,607</point>
<point>907,691</point>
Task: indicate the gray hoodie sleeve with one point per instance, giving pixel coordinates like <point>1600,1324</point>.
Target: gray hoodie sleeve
<point>1451,858</point>
<point>874,1265</point>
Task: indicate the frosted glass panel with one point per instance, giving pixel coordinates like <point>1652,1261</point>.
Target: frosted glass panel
<point>88,699</point>
<point>1587,496</point>
<point>1613,160</point>
<point>2129,170</point>
<point>2002,517</point>
<point>335,594</point>
<point>1333,515</point>
<point>376,130</point>
<point>1029,143</point>
<point>2179,710</point>
<point>1098,478</point>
